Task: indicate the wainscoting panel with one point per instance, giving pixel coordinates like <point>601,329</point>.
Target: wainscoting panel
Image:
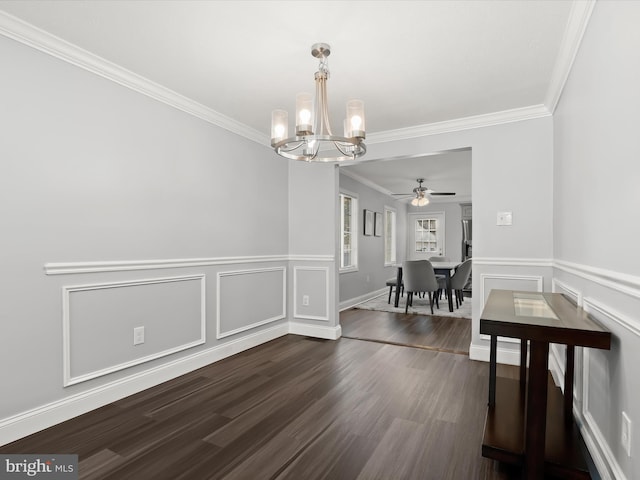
<point>491,281</point>
<point>604,372</point>
<point>249,298</point>
<point>311,293</point>
<point>558,353</point>
<point>99,321</point>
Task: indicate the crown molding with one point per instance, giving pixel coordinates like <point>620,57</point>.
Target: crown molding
<point>574,31</point>
<point>466,123</point>
<point>27,34</point>
<point>366,182</point>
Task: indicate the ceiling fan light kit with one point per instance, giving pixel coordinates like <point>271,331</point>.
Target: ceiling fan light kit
<point>314,141</point>
<point>420,192</point>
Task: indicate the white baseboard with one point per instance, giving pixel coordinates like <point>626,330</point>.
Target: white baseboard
<point>352,302</point>
<point>317,331</point>
<point>34,420</point>
<point>506,356</point>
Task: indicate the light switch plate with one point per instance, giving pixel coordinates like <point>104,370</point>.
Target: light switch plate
<point>505,218</point>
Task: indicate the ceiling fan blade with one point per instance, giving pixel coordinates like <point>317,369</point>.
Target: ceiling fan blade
<point>441,193</point>
<point>402,194</point>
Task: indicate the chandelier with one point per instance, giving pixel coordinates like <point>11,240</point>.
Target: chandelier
<point>314,141</point>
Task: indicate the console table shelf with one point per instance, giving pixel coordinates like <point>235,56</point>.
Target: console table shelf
<point>504,432</point>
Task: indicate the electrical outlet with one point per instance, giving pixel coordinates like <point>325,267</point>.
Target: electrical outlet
<point>138,335</point>
<point>626,433</point>
<point>305,300</point>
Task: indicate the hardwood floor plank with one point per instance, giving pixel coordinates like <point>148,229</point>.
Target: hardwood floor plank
<point>300,408</point>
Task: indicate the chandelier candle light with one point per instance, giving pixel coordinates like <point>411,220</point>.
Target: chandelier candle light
<point>314,141</point>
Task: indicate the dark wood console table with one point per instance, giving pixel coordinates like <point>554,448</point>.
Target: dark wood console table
<point>521,412</point>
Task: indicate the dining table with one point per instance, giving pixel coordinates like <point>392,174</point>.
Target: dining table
<point>440,268</point>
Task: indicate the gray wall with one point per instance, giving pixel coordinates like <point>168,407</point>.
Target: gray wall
<point>107,195</point>
<point>356,286</point>
<point>596,196</point>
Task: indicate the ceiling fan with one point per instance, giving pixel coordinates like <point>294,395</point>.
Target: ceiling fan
<point>421,193</point>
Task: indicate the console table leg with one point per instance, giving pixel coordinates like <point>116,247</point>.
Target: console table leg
<point>568,384</point>
<point>493,354</point>
<point>523,364</point>
<point>535,425</point>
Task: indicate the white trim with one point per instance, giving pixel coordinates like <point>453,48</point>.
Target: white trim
<point>23,32</point>
<point>557,363</point>
<point>503,276</point>
<point>27,34</point>
<point>576,25</point>
<point>503,355</point>
<point>598,446</point>
<point>352,302</point>
<point>620,282</point>
<point>219,333</point>
<point>484,276</point>
<point>513,262</point>
<point>67,268</point>
<point>411,219</point>
<point>311,258</point>
<point>316,331</point>
<point>572,292</point>
<point>365,181</point>
<point>465,123</point>
<point>590,305</point>
<point>355,231</point>
<point>295,294</point>
<point>66,327</point>
<point>394,245</point>
<point>39,418</point>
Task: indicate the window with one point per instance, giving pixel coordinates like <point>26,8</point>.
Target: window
<point>348,232</point>
<point>389,236</point>
<point>426,235</point>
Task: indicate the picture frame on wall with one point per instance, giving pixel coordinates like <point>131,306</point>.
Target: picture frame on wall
<point>377,229</point>
<point>368,222</point>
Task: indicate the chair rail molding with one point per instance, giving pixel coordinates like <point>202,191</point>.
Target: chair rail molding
<point>622,282</point>
<point>68,268</point>
<point>513,262</point>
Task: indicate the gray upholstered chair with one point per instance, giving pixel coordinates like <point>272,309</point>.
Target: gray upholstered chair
<point>391,283</point>
<point>418,276</point>
<point>460,279</point>
<point>440,277</point>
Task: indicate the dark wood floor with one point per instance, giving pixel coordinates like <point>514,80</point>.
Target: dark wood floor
<point>442,334</point>
<point>294,408</point>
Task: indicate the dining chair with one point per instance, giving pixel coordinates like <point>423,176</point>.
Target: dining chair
<point>418,276</point>
<point>435,260</point>
<point>459,279</point>
<point>391,283</point>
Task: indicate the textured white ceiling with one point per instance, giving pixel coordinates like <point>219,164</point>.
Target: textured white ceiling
<point>412,62</point>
